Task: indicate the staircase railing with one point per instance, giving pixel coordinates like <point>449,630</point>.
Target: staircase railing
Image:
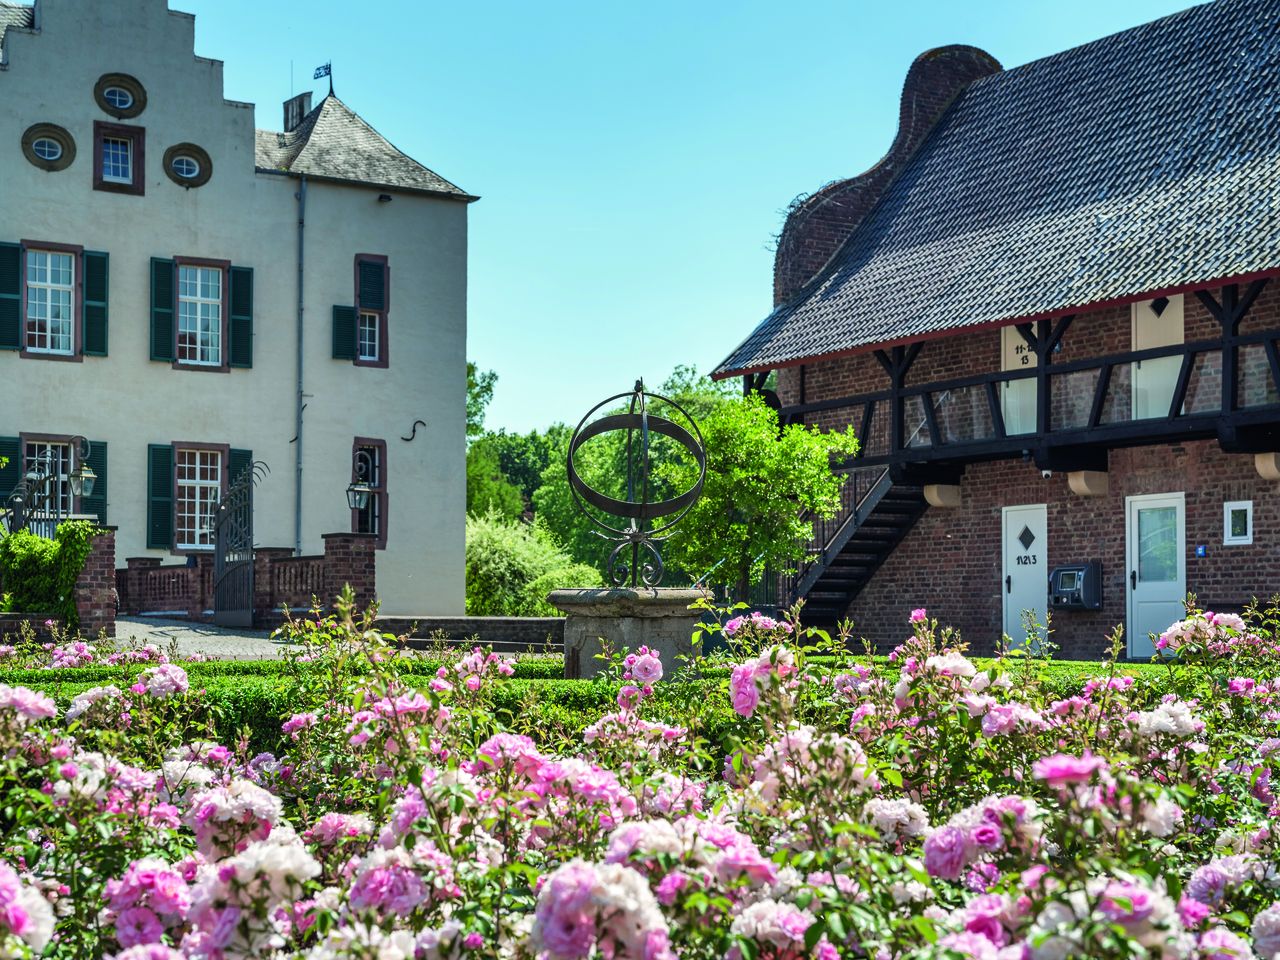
<point>861,483</point>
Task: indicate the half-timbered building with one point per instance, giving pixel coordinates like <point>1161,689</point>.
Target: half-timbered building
<point>1051,314</point>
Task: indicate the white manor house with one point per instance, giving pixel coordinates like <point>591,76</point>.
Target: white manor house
<point>189,293</point>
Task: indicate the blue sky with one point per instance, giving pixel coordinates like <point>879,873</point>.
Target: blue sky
<point>633,160</point>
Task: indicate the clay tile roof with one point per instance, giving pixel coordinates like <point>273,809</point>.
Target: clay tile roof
<point>15,15</point>
<point>1148,160</point>
<point>332,142</point>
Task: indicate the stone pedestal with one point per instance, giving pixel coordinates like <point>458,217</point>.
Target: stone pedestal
<point>657,618</point>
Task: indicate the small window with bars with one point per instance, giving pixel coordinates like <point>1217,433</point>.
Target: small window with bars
<point>198,487</point>
<point>370,469</point>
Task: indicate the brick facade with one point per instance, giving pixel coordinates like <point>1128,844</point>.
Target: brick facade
<point>951,561</point>
<point>95,589</point>
<point>350,558</point>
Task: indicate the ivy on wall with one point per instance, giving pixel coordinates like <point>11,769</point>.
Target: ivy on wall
<point>39,575</point>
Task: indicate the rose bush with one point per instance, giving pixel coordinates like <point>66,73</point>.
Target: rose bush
<point>928,807</point>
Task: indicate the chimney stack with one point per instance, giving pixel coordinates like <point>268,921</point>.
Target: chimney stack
<point>295,109</point>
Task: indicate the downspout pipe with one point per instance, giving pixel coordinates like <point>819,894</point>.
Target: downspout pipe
<point>301,196</point>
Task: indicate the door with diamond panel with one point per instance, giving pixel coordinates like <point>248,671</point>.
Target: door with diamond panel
<point>1025,586</point>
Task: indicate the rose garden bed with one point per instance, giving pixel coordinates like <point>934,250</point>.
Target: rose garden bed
<point>782,802</point>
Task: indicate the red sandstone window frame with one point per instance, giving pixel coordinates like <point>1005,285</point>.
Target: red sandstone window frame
<point>379,494</point>
<point>178,445</point>
<point>224,349</point>
<point>383,359</point>
<point>77,299</point>
<point>137,137</point>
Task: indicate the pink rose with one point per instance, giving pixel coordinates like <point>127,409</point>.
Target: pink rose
<point>944,853</point>
<point>918,615</point>
<point>1060,769</point>
<point>742,687</point>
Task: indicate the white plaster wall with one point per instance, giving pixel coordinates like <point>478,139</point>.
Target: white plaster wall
<point>250,219</point>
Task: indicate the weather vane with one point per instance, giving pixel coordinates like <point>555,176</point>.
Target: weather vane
<point>649,520</point>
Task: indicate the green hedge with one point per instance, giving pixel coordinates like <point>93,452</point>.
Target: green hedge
<point>260,694</point>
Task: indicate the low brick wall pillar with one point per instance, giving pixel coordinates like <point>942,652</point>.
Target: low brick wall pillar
<point>95,590</point>
<point>350,558</point>
<point>264,599</point>
<point>200,578</point>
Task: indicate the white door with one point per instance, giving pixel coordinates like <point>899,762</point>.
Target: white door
<point>1156,579</point>
<point>1026,574</point>
<point>1156,323</point>
<point>1017,397</point>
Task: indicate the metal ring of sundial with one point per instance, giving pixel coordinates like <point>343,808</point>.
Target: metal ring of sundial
<point>670,510</point>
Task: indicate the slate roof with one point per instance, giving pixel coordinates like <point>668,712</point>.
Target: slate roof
<point>14,15</point>
<point>1145,161</point>
<point>332,142</point>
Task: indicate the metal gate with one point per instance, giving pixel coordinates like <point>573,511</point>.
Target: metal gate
<point>233,550</point>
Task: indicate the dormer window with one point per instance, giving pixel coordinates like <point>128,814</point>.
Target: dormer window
<point>118,97</point>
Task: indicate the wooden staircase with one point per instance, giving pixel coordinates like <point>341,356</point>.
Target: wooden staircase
<point>849,549</point>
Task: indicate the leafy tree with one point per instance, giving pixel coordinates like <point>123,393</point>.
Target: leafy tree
<point>601,462</point>
<point>480,384</point>
<point>487,488</point>
<point>511,567</point>
<point>760,485</point>
<point>523,456</point>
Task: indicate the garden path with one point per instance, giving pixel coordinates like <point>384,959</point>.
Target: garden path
<point>222,643</point>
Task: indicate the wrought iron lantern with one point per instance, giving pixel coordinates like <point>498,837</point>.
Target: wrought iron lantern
<point>82,479</point>
<point>636,557</point>
<point>36,496</point>
<point>359,490</point>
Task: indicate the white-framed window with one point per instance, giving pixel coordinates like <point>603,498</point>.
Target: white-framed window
<point>367,335</point>
<point>118,97</point>
<point>51,288</point>
<point>186,167</point>
<point>45,458</point>
<point>46,148</point>
<point>117,160</point>
<point>198,482</point>
<point>1237,522</point>
<point>200,315</point>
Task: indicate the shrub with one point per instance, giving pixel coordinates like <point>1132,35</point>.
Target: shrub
<point>511,567</point>
<point>39,574</point>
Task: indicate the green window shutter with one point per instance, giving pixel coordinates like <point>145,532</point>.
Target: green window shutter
<point>160,496</point>
<point>94,314</point>
<point>10,296</point>
<point>240,328</point>
<point>97,502</point>
<point>238,461</point>
<point>344,333</point>
<point>10,474</point>
<point>163,293</point>
<point>372,285</point>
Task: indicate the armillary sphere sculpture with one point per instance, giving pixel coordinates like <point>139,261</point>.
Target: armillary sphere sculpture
<point>649,520</point>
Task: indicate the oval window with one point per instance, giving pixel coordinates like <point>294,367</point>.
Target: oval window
<point>188,168</point>
<point>47,149</point>
<point>118,97</point>
<point>48,146</point>
<point>188,165</point>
